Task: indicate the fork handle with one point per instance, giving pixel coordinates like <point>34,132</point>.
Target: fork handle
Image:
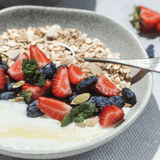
<point>150,64</point>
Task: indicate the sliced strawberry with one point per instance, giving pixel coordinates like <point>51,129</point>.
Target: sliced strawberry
<point>15,71</point>
<point>61,87</point>
<point>150,18</point>
<point>3,80</point>
<point>39,56</point>
<point>145,18</point>
<point>38,91</point>
<point>75,74</point>
<point>158,27</point>
<point>105,87</point>
<point>53,108</point>
<point>110,115</point>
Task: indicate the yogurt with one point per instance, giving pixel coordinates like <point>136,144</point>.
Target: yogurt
<point>19,132</point>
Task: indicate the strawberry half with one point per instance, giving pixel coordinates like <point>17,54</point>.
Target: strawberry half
<point>61,87</point>
<point>105,87</point>
<point>15,71</point>
<point>158,27</point>
<point>3,80</point>
<point>145,18</point>
<point>39,56</point>
<point>38,91</point>
<point>75,74</point>
<point>110,115</point>
<point>53,108</point>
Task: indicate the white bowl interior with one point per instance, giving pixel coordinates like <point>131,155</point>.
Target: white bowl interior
<point>110,32</point>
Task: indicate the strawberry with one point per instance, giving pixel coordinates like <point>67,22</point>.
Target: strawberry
<point>158,27</point>
<point>53,108</point>
<point>109,115</point>
<point>75,74</point>
<point>105,87</point>
<point>61,87</point>
<point>38,91</point>
<point>39,56</point>
<point>3,80</point>
<point>145,19</point>
<point>15,71</point>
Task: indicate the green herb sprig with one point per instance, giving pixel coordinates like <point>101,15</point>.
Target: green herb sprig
<point>31,73</point>
<point>79,114</point>
<point>26,94</point>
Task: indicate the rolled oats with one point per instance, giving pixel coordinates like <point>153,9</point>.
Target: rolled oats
<point>14,42</point>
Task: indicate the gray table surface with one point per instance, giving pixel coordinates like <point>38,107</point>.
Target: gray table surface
<point>141,141</point>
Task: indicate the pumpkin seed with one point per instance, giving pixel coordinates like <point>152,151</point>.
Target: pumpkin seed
<point>18,99</point>
<point>91,122</point>
<point>18,84</point>
<point>82,125</point>
<point>81,98</point>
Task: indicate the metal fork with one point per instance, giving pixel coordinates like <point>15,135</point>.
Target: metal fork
<point>149,64</point>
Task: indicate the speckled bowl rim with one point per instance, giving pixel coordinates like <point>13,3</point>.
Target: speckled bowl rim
<point>99,141</point>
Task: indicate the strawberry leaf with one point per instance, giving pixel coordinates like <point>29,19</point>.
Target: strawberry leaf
<point>136,21</point>
<point>137,26</point>
<point>137,9</point>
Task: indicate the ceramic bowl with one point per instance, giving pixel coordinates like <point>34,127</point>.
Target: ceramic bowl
<point>113,34</point>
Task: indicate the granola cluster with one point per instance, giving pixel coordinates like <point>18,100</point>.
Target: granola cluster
<point>14,42</point>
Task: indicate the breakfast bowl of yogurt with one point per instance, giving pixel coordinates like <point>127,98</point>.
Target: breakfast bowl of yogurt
<point>54,104</point>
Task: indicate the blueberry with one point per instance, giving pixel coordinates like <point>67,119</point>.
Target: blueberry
<point>73,87</point>
<point>4,67</point>
<point>73,96</point>
<point>9,87</point>
<point>129,96</point>
<point>48,70</point>
<point>96,113</point>
<point>103,101</point>
<point>86,84</point>
<point>7,95</point>
<point>93,99</point>
<point>4,63</point>
<point>33,110</point>
<point>34,103</point>
<point>150,51</point>
<point>93,92</point>
<point>16,59</point>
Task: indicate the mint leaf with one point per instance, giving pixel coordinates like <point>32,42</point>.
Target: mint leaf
<point>31,73</point>
<point>86,109</point>
<point>83,111</point>
<point>29,67</point>
<point>26,94</point>
<point>41,81</point>
<point>79,118</point>
<point>67,120</point>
